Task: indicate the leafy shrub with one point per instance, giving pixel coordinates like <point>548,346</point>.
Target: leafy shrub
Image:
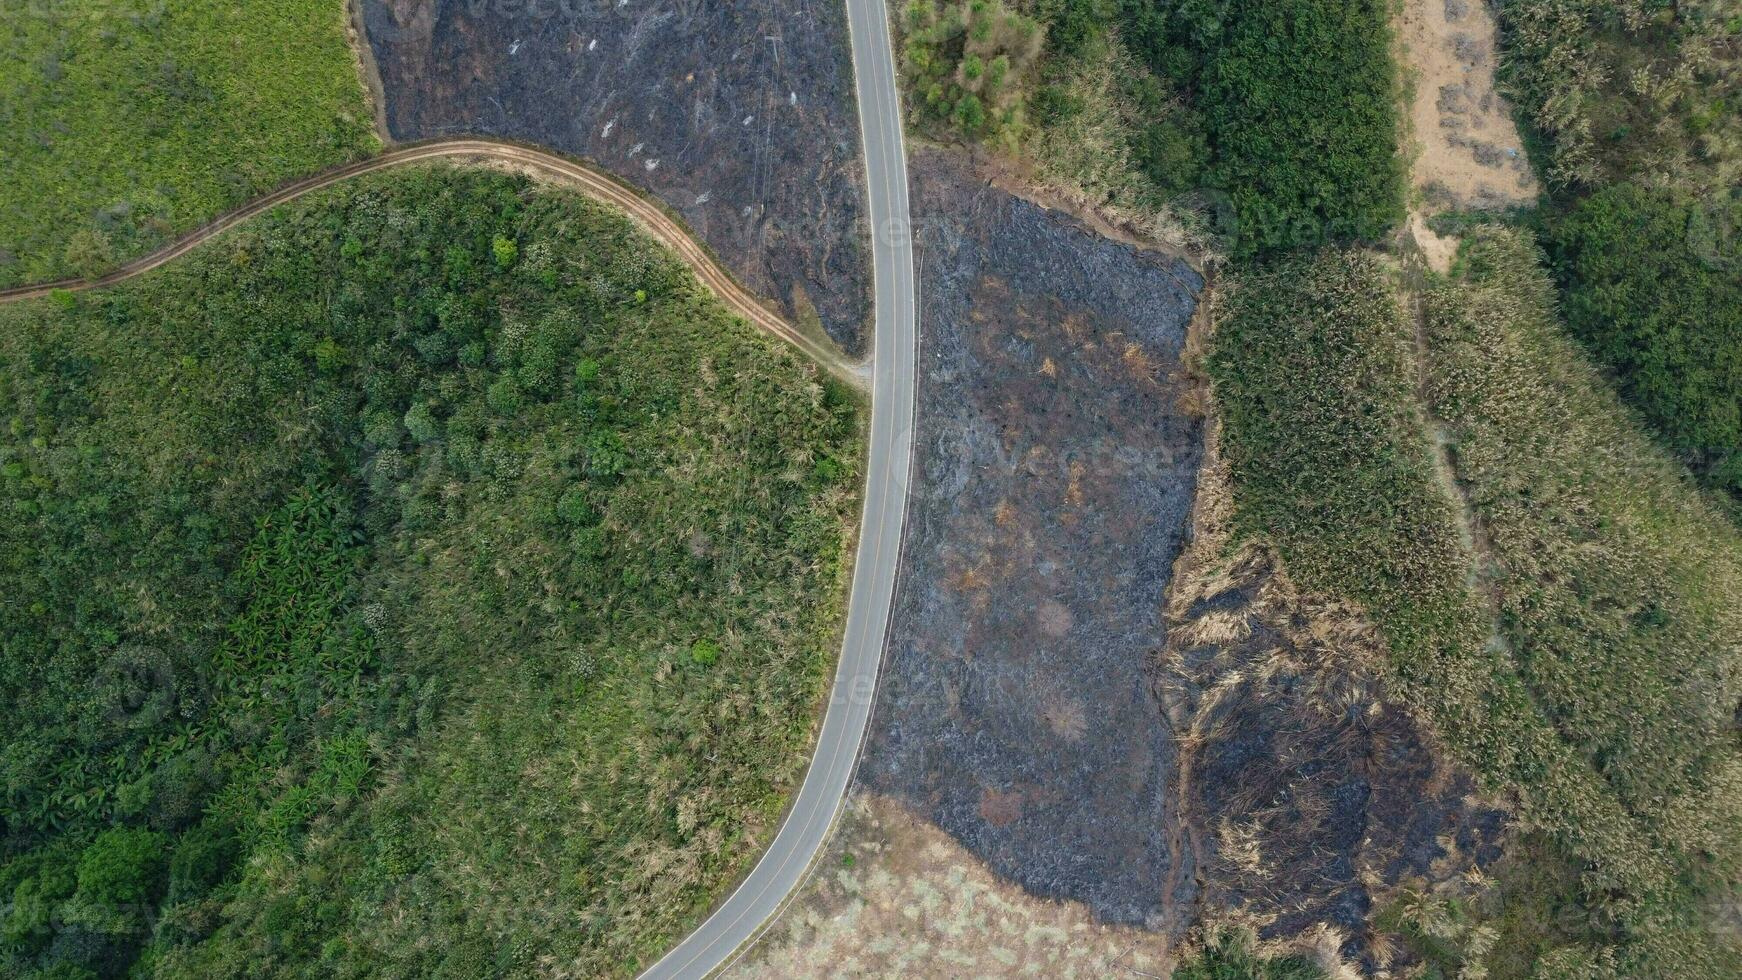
<point>421,422</point>
<point>967,61</point>
<point>30,909</point>
<point>202,859</point>
<point>1627,90</point>
<point>1228,955</point>
<point>1289,109</point>
<point>705,652</point>
<point>122,867</point>
<point>1657,298</point>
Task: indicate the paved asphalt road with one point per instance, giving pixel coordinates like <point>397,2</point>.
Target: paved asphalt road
<point>807,824</point>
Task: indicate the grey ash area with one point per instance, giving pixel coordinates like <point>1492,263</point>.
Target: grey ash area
<point>738,116</point>
<point>1055,472</point>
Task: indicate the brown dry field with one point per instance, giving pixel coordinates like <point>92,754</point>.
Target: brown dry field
<point>913,903</point>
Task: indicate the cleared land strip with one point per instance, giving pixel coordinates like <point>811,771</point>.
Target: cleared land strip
<point>594,183</point>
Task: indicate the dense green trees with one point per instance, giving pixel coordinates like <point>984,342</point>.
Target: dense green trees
<point>1299,101</point>
<point>1261,126</point>
<point>429,576</point>
<point>1653,287</point>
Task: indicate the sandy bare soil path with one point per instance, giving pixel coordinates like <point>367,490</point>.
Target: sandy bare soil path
<point>1468,154</point>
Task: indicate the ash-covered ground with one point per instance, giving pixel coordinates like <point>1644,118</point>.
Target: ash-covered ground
<point>1312,798</point>
<point>739,116</point>
<point>1055,475</point>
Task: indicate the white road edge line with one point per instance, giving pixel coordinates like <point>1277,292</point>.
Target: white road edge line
<point>741,917</point>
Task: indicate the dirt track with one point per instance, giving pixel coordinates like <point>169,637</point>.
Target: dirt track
<point>594,184</point>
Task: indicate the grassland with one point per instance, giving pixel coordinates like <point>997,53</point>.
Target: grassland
<point>128,122</point>
<point>1618,584</point>
<point>429,579</point>
<point>1557,599</point>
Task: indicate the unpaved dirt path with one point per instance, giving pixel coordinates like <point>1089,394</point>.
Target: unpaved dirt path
<point>595,184</point>
<point>1467,151</point>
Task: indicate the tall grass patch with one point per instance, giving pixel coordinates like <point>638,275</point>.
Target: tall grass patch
<point>1569,636</point>
<point>1618,584</point>
<point>127,122</point>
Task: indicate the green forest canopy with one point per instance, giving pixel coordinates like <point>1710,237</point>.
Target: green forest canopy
<point>363,559</point>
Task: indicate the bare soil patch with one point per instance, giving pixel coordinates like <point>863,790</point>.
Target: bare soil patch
<point>1469,155</point>
<point>894,896</point>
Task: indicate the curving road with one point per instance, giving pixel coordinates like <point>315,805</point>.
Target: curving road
<point>735,922</point>
<point>594,183</point>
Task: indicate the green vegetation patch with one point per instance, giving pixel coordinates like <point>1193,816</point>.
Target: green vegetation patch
<point>1619,586</point>
<point>428,579</point>
<point>1635,114</point>
<point>1313,371</point>
<point>1653,288</point>
<point>1628,89</point>
<point>1229,955</point>
<point>1242,125</point>
<point>129,122</point>
<point>967,62</point>
<point>1300,104</point>
<point>1556,602</point>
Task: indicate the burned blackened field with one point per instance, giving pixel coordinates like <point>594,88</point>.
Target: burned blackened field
<point>739,116</point>
<point>1055,473</point>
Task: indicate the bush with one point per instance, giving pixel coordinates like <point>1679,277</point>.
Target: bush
<point>1228,955</point>
<point>421,422</point>
<point>202,859</point>
<point>1299,102</point>
<point>1657,299</point>
<point>971,62</point>
<point>1631,90</point>
<point>705,652</point>
<point>29,914</point>
<point>1289,108</point>
<point>122,867</point>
